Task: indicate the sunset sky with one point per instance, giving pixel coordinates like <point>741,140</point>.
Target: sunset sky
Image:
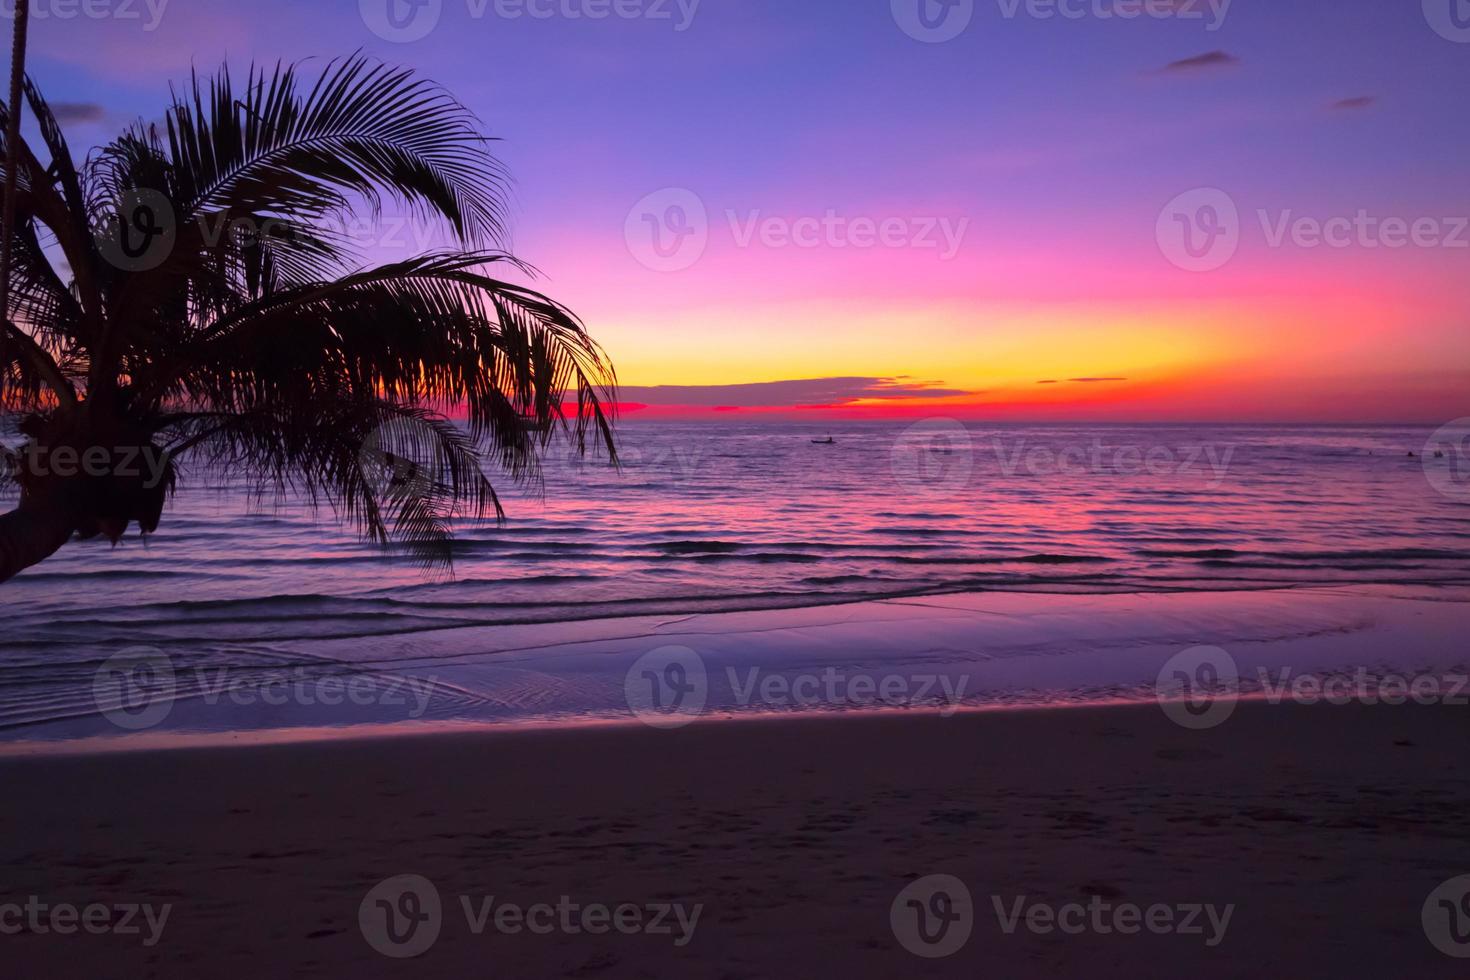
<point>1017,172</point>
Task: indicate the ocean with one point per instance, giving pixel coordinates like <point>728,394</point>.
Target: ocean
<point>714,517</point>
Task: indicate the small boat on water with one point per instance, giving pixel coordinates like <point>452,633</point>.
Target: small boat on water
<point>829,441</point>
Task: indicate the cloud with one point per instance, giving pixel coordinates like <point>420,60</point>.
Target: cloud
<point>1356,102</point>
<point>1201,62</point>
<point>77,112</point>
<point>782,394</point>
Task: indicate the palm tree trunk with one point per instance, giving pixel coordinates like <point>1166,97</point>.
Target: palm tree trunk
<point>12,152</point>
<point>31,534</point>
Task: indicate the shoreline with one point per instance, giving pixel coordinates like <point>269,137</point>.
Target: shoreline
<point>367,735</point>
<point>388,732</point>
<point>960,652</point>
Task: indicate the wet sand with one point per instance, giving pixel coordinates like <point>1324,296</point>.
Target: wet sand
<point>958,651</point>
<point>1324,828</point>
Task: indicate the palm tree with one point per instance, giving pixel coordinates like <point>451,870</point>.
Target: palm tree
<point>18,39</point>
<point>188,299</point>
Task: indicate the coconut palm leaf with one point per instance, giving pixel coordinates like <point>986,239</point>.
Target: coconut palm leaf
<point>281,354</point>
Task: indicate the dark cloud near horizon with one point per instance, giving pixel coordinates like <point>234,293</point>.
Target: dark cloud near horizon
<point>780,394</point>
<point>1356,102</point>
<point>77,112</point>
<point>1210,59</point>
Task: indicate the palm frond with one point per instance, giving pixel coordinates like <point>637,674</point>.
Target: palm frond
<point>401,474</point>
<point>276,354</point>
<point>432,332</point>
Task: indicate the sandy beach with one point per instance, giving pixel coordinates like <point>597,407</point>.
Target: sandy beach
<point>1322,829</point>
<point>644,489</point>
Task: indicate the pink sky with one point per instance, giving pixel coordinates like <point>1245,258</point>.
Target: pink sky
<point>1023,171</point>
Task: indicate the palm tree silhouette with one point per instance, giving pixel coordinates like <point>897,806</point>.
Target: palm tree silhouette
<point>188,298</point>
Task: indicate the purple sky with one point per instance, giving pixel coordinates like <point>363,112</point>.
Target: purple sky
<point>1045,146</point>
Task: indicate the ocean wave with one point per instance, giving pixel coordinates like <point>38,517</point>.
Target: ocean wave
<point>755,525</point>
<point>699,547</point>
